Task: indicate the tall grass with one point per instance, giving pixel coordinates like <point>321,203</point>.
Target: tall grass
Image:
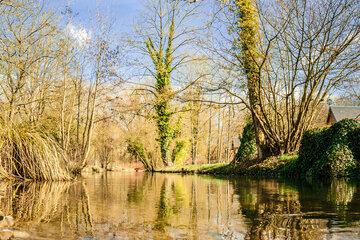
<point>27,153</point>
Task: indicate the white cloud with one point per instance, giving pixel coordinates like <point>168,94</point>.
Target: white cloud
<point>79,34</point>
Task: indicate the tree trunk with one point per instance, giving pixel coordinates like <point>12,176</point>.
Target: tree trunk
<point>195,136</point>
<point>209,137</point>
<point>249,37</point>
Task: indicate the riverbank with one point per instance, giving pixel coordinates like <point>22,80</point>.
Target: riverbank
<point>271,167</point>
<point>329,152</point>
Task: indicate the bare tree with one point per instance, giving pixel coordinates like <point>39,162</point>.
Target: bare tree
<point>293,54</point>
<point>28,40</point>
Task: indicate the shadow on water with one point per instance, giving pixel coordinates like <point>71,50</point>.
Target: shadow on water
<point>145,206</point>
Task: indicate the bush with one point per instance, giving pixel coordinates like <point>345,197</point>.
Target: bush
<point>312,148</point>
<point>340,160</point>
<point>247,149</point>
<point>354,139</point>
<point>330,152</point>
<point>292,168</point>
<point>179,152</point>
<point>137,150</point>
<point>340,131</point>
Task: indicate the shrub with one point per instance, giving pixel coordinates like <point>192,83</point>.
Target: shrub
<point>247,149</point>
<point>340,160</point>
<point>330,152</point>
<point>137,150</point>
<point>179,152</point>
<point>312,148</point>
<point>340,131</point>
<point>292,168</point>
<point>354,139</point>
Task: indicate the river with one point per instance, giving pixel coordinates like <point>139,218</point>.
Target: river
<point>171,206</point>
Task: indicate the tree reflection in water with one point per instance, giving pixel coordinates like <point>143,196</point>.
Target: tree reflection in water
<point>279,211</point>
<point>145,206</point>
<point>137,190</point>
<point>275,211</point>
<point>164,209</point>
<point>63,206</point>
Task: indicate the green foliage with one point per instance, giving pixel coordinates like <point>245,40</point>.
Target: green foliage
<point>163,68</point>
<point>248,29</point>
<point>354,139</point>
<point>288,157</point>
<point>340,159</point>
<point>340,130</point>
<point>330,152</point>
<point>137,150</point>
<point>312,148</point>
<point>165,130</point>
<point>180,152</point>
<point>247,149</point>
<point>292,169</point>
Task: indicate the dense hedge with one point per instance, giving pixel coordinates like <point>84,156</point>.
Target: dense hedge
<point>354,139</point>
<point>330,152</point>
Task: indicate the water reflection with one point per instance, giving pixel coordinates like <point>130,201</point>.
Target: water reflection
<point>59,208</point>
<point>145,206</point>
<point>274,211</point>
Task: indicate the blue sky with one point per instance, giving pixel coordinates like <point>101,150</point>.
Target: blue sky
<point>122,13</point>
<point>119,12</point>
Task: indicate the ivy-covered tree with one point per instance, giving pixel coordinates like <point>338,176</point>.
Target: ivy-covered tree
<point>248,42</point>
<point>292,59</point>
<point>168,33</point>
<point>161,57</point>
<point>247,149</point>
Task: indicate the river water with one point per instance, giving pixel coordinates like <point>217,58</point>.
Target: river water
<point>170,206</point>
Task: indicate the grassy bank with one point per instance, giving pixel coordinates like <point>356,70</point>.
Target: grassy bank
<point>330,152</point>
<point>271,167</point>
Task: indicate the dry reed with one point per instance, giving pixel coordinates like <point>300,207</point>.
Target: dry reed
<point>27,153</point>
